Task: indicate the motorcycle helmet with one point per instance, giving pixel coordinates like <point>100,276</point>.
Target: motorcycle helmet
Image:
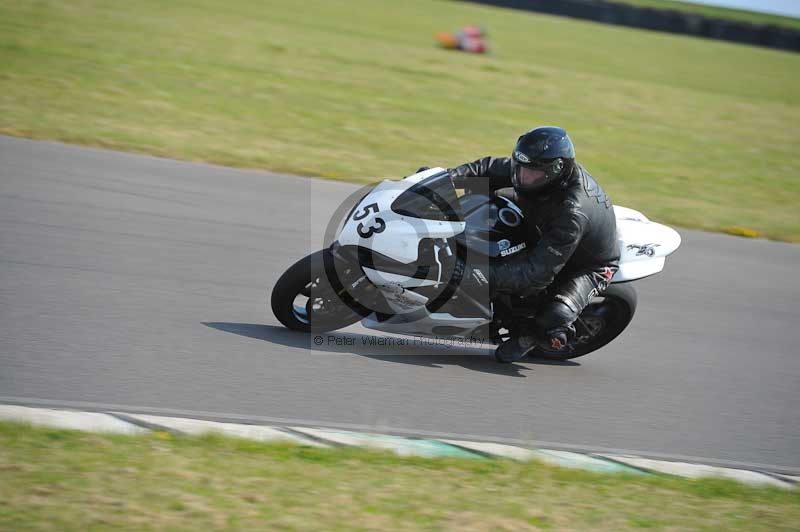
<point>542,157</point>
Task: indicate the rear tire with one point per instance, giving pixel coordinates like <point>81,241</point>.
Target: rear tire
<point>600,322</point>
<point>323,309</point>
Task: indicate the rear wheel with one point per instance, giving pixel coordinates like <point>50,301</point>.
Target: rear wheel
<point>600,322</point>
<point>304,300</point>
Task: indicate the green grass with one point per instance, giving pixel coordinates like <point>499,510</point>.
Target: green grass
<point>60,480</point>
<point>693,132</point>
<point>717,12</point>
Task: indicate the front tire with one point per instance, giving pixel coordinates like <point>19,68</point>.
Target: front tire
<point>600,322</point>
<point>304,300</point>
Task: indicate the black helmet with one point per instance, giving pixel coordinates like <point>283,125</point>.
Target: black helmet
<point>542,157</point>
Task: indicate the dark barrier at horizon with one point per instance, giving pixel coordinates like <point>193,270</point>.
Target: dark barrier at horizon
<point>665,20</point>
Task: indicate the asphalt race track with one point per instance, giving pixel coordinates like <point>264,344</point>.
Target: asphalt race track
<point>140,284</point>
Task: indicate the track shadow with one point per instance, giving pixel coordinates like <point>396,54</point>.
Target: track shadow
<point>385,348</point>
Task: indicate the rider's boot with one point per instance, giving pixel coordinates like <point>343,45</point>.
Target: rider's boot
<point>515,348</point>
<point>519,346</point>
<point>556,339</point>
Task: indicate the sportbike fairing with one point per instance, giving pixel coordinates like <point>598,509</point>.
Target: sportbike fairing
<point>643,245</point>
<point>429,212</point>
<point>425,207</point>
<point>401,233</point>
<point>496,227</point>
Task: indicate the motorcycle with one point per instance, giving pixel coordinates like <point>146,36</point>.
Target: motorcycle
<point>398,260</point>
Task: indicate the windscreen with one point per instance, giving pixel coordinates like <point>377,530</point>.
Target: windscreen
<point>432,199</point>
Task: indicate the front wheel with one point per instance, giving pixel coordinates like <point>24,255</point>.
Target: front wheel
<point>600,322</point>
<point>304,300</point>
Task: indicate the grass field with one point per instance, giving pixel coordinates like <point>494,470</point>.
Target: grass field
<point>693,132</point>
<point>717,12</point>
<point>61,480</point>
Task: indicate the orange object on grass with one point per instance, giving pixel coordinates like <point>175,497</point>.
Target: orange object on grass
<point>447,40</point>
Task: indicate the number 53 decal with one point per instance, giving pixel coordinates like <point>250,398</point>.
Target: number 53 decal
<point>367,232</point>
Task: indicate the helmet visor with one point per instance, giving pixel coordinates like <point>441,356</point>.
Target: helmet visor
<point>527,177</point>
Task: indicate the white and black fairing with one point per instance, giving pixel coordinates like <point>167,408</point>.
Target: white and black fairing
<point>411,239</point>
<point>495,227</point>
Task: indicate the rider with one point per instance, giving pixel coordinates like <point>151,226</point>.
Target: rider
<point>572,223</point>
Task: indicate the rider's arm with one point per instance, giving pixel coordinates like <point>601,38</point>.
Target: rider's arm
<point>474,174</point>
<point>560,239</point>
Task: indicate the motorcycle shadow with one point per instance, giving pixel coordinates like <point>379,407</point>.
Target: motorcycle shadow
<point>386,349</point>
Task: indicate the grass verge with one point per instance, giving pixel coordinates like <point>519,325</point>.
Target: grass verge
<point>693,132</point>
<point>62,480</point>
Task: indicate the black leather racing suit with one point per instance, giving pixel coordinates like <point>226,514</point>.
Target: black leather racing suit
<point>575,229</point>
